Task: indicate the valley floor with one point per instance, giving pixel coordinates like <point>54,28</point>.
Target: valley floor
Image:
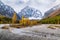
<point>38,32</point>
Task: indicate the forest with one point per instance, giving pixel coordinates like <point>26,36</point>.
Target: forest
<point>26,22</point>
<point>51,20</point>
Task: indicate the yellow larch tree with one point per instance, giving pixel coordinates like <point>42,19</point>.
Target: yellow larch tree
<point>24,21</point>
<point>14,18</point>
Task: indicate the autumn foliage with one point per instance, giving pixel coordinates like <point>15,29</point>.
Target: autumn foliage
<point>27,22</point>
<point>14,18</point>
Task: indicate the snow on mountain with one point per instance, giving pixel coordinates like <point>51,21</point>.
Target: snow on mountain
<point>53,9</point>
<point>30,12</point>
<point>41,5</point>
<point>2,6</point>
<point>7,11</point>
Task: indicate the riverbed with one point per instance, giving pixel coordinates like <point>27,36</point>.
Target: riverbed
<point>37,32</point>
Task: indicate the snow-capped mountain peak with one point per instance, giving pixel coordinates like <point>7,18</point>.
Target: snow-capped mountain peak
<point>30,12</point>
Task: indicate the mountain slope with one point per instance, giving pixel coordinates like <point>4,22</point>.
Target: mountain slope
<point>30,12</point>
<point>53,11</point>
<point>7,11</point>
<point>52,16</point>
<point>5,20</point>
<point>51,20</point>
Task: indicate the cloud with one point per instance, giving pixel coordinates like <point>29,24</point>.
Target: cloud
<point>42,5</point>
<point>16,5</point>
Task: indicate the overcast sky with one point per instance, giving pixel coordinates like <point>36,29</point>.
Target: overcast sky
<point>42,5</point>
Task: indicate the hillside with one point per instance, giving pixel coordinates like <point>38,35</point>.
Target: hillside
<point>51,20</point>
<point>53,11</point>
<point>52,16</point>
<point>5,20</point>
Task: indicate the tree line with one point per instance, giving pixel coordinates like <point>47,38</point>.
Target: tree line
<point>52,20</point>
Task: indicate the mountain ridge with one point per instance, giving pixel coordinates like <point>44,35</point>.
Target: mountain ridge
<point>7,11</point>
<point>30,12</point>
<point>53,11</point>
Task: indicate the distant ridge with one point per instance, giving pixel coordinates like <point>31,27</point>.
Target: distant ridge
<point>53,11</point>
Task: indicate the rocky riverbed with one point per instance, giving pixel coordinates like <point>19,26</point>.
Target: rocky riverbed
<point>38,32</point>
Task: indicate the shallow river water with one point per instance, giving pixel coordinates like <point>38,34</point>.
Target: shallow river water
<point>38,32</point>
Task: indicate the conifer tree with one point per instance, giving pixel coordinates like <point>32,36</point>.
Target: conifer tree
<point>14,18</point>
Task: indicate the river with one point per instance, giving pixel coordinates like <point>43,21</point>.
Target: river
<point>38,32</point>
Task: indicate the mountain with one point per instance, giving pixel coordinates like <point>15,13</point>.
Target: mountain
<point>53,11</point>
<point>7,11</point>
<point>30,12</point>
<point>52,16</point>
